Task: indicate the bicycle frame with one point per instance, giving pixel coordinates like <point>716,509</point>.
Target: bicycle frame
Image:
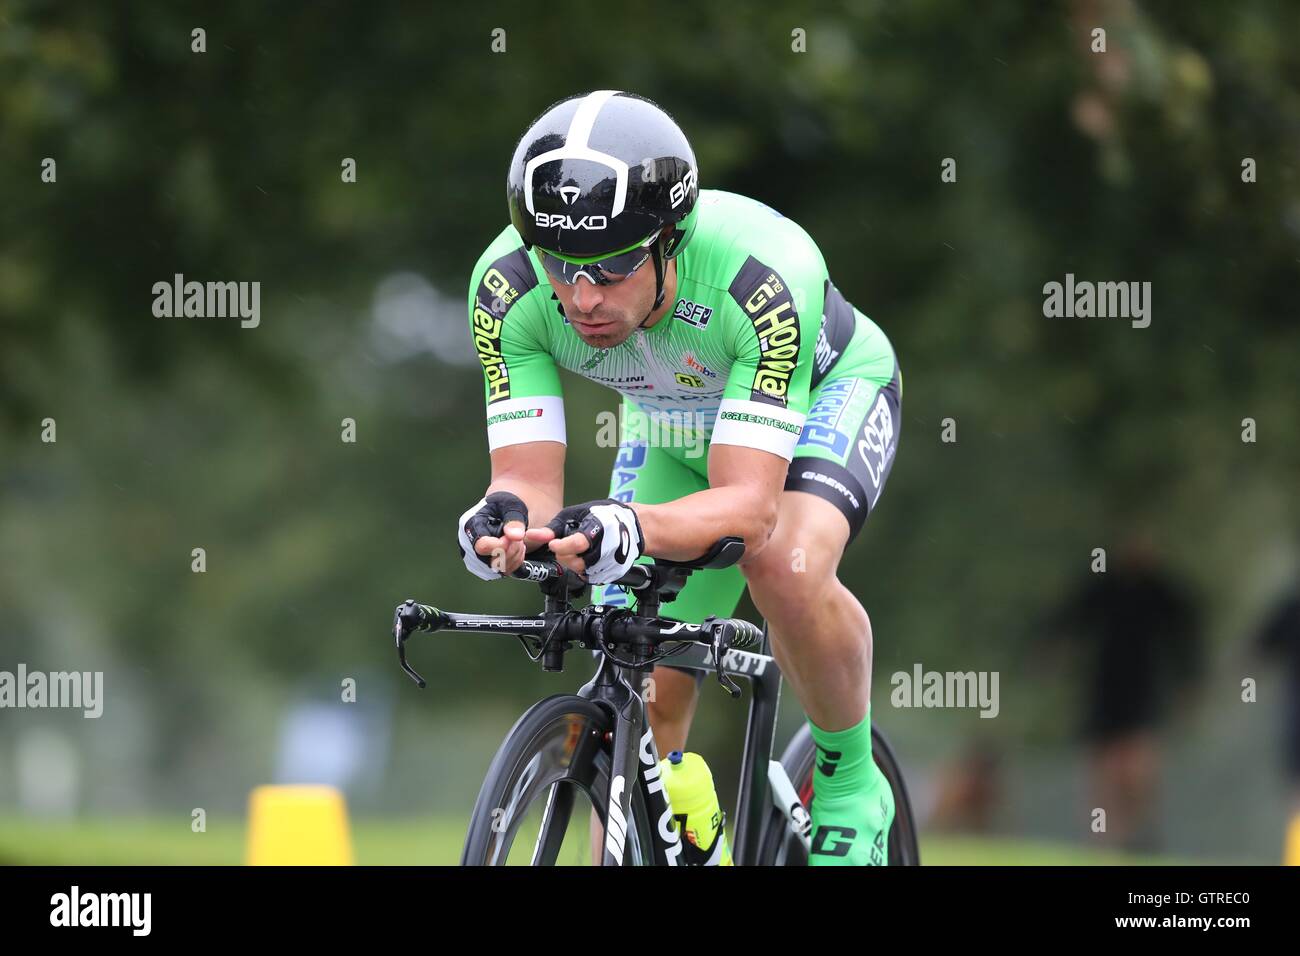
<point>634,757</point>
<point>633,749</point>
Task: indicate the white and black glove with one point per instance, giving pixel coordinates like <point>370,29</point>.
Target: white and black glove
<point>614,534</point>
<point>486,519</point>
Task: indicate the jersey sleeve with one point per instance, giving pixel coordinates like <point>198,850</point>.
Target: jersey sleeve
<point>773,317</point>
<point>521,385</point>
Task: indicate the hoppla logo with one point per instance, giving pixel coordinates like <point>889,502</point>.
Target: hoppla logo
<point>667,832</point>
<point>558,220</point>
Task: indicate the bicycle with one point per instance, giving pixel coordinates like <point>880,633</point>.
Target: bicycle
<point>597,742</point>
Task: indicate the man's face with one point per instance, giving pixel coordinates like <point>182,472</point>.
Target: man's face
<point>606,315</point>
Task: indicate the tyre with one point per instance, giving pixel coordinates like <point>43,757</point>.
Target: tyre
<point>780,847</point>
<point>553,762</point>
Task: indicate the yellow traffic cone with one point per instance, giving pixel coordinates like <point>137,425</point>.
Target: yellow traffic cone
<point>298,826</point>
<point>1291,856</point>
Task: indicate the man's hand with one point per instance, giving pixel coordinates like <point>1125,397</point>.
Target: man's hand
<point>601,539</point>
<point>492,535</point>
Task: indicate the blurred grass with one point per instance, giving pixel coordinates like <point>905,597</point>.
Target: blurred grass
<point>417,841</point>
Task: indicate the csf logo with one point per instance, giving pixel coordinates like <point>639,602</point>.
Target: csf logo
<point>557,220</point>
<point>692,313</point>
<point>681,190</point>
<point>876,445</point>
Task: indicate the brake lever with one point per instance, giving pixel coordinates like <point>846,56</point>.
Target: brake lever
<point>408,618</point>
<point>721,634</point>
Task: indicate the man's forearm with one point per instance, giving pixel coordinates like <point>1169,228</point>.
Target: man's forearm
<point>684,529</point>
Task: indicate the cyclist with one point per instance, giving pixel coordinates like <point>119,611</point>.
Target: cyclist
<point>714,317</point>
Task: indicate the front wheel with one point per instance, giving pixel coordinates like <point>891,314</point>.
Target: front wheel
<point>555,757</point>
<point>780,847</point>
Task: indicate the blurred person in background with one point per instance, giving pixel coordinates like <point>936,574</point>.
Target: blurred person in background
<point>1280,638</point>
<point>1139,631</point>
<point>969,789</point>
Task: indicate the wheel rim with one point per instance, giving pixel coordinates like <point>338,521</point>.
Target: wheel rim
<point>565,773</point>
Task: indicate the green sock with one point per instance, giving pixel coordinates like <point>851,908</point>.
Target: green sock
<point>852,805</point>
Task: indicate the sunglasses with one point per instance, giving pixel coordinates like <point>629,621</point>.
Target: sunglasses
<point>603,270</point>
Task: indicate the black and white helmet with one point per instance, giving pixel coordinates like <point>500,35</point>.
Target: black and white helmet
<point>601,173</point>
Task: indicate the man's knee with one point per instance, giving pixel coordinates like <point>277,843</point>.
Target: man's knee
<point>807,523</point>
<point>792,588</point>
<point>797,568</point>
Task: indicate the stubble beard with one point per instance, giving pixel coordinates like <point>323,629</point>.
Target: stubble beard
<point>608,340</point>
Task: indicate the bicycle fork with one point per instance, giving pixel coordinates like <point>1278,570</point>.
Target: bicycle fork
<point>634,761</point>
<point>763,783</point>
<point>625,748</point>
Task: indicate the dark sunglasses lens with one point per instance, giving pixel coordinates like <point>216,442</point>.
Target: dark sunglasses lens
<point>620,267</point>
<point>601,273</point>
<point>568,272</point>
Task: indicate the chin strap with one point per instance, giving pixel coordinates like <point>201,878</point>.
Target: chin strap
<point>657,256</point>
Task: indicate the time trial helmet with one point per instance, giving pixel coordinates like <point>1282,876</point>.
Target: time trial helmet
<point>601,174</point>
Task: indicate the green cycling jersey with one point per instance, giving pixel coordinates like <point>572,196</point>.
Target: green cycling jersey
<point>756,324</point>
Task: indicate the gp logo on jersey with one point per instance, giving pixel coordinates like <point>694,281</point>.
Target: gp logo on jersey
<point>876,446</point>
<point>768,304</point>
